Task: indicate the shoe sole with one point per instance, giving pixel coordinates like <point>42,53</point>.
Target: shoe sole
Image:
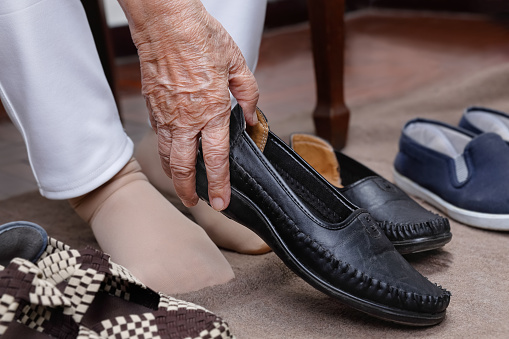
<point>494,222</point>
<point>271,237</point>
<point>422,244</point>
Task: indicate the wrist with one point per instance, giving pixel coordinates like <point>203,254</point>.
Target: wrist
<point>146,17</point>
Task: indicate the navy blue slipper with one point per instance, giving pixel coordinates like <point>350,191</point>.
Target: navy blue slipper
<point>462,174</point>
<point>480,120</point>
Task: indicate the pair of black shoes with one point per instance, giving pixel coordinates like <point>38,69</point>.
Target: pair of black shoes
<point>334,245</point>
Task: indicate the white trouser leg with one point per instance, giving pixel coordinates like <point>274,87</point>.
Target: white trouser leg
<point>53,87</point>
<point>243,20</point>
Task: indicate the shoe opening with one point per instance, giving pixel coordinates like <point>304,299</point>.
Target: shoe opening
<point>259,132</point>
<point>489,122</point>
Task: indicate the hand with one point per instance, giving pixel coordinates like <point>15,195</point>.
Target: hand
<point>188,63</point>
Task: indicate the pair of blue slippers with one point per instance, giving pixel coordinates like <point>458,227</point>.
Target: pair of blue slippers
<point>463,171</point>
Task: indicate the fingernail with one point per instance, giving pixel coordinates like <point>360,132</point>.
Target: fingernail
<point>217,204</point>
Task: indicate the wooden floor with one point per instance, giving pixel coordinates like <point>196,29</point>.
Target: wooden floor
<point>388,53</point>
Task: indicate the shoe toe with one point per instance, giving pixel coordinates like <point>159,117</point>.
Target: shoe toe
<point>370,266</point>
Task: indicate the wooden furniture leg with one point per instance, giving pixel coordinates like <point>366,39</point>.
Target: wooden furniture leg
<point>331,116</point>
<point>97,20</point>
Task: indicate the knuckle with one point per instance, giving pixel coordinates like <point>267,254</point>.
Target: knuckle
<point>182,172</point>
<point>216,161</point>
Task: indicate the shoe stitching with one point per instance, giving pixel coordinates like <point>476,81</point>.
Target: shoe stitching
<point>256,151</point>
<point>396,293</point>
<point>320,206</point>
<point>401,231</point>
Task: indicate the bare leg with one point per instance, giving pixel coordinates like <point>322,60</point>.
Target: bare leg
<point>142,231</point>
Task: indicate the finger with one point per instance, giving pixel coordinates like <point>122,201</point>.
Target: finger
<point>182,166</point>
<point>244,88</point>
<point>153,122</point>
<point>216,148</point>
<point>164,142</point>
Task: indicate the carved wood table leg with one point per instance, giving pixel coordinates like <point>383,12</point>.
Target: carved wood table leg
<point>331,116</point>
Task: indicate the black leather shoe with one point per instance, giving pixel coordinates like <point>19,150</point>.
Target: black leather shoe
<point>409,226</point>
<point>329,242</point>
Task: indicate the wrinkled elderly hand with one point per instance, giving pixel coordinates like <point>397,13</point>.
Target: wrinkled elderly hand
<point>188,63</point>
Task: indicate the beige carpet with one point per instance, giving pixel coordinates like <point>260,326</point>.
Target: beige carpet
<point>266,300</point>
